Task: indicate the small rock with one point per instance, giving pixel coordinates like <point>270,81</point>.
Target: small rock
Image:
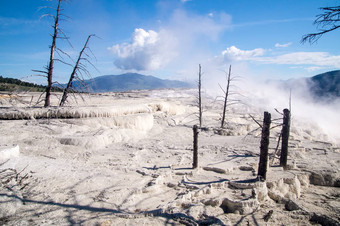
<point>268,216</point>
<point>215,169</point>
<point>212,202</point>
<point>291,205</point>
<point>171,185</point>
<point>246,168</point>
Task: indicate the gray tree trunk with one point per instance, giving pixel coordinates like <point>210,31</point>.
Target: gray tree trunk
<point>51,63</point>
<point>285,137</point>
<point>75,69</point>
<point>226,99</point>
<point>195,157</point>
<point>200,111</point>
<point>262,170</point>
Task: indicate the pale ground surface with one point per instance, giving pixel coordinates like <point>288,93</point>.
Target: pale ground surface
<point>125,159</point>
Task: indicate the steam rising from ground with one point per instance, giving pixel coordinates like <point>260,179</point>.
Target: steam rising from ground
<point>303,106</point>
<point>268,95</point>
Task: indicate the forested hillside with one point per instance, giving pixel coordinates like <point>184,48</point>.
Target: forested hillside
<point>12,84</point>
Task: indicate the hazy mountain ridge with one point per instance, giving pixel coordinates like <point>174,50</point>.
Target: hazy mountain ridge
<point>321,87</point>
<point>325,85</point>
<point>132,81</point>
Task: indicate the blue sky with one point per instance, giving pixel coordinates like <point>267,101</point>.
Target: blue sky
<point>169,38</point>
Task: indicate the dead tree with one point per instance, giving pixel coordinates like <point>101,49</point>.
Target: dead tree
<point>200,110</point>
<point>285,137</point>
<point>262,170</point>
<point>226,98</point>
<point>53,49</point>
<point>51,62</point>
<point>328,21</point>
<point>78,67</point>
<point>195,156</point>
<point>228,101</point>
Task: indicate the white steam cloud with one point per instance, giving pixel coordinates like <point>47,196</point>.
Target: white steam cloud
<point>148,50</point>
<point>174,43</point>
<point>317,119</point>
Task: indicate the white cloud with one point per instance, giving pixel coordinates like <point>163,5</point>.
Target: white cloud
<point>180,41</point>
<point>10,21</point>
<point>232,53</point>
<point>278,45</point>
<point>148,50</point>
<point>303,58</point>
<point>313,60</point>
<point>184,1</point>
<point>315,68</point>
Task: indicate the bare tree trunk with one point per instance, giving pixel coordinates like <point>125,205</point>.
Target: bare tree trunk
<point>50,66</point>
<point>226,98</point>
<point>195,158</point>
<point>200,95</point>
<point>262,170</point>
<point>75,69</point>
<point>285,137</point>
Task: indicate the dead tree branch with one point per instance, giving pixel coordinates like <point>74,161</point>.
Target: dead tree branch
<point>328,21</point>
<point>226,98</point>
<point>76,68</point>
<point>252,117</point>
<point>51,62</point>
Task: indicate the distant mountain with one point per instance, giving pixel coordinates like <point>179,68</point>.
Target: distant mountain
<point>132,81</point>
<point>325,85</point>
<point>321,87</point>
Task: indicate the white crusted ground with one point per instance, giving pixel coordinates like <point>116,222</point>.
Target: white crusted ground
<point>125,158</point>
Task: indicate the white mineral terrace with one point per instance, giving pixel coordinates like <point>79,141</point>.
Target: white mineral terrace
<point>126,159</point>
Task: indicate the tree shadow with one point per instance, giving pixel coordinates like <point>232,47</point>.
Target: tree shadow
<point>205,183</point>
<point>248,181</point>
<point>39,208</point>
<point>234,156</point>
<point>71,208</point>
<point>239,222</point>
<point>67,206</point>
<point>157,168</point>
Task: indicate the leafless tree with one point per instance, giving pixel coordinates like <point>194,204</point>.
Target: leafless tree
<point>53,48</point>
<point>327,21</point>
<point>200,110</point>
<point>226,97</point>
<point>78,68</point>
<point>227,93</point>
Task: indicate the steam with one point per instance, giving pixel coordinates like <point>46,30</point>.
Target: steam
<point>149,50</point>
<point>184,41</point>
<point>318,118</point>
<point>175,42</point>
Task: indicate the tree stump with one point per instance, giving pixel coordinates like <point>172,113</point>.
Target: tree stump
<point>195,158</point>
<point>285,137</point>
<point>262,170</point>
